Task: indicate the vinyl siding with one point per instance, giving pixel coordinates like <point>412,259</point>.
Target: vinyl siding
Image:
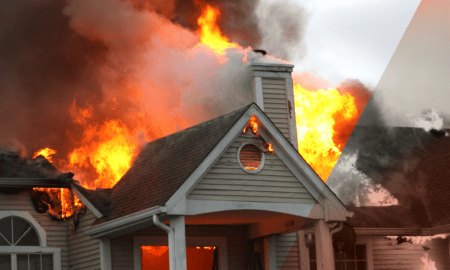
<point>275,103</point>
<point>226,181</point>
<point>57,230</point>
<point>287,251</point>
<point>387,255</point>
<point>238,247</point>
<point>84,252</point>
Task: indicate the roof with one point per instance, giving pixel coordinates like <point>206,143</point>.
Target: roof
<point>164,164</point>
<point>14,166</point>
<point>99,198</point>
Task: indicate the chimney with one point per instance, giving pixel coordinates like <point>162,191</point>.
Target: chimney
<point>273,92</point>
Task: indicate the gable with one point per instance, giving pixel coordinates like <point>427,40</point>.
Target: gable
<point>227,181</point>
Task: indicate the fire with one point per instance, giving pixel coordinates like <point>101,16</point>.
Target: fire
<point>67,204</point>
<point>210,34</point>
<point>109,148</point>
<point>45,152</point>
<point>253,125</point>
<point>317,114</point>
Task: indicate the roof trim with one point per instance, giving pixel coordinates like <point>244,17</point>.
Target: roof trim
<point>86,202</point>
<point>120,225</point>
<point>403,231</point>
<point>34,182</point>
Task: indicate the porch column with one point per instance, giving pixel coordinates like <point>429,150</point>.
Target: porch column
<point>324,246</point>
<point>270,255</point>
<point>178,226</point>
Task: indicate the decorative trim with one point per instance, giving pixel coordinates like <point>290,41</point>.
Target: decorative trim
<point>257,92</point>
<point>291,112</point>
<point>220,242</point>
<point>29,218</point>
<point>86,202</point>
<point>121,225</point>
<point>263,157</point>
<point>195,207</point>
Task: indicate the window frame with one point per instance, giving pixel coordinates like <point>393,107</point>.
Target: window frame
<point>257,144</point>
<point>220,242</point>
<point>360,240</point>
<point>42,235</point>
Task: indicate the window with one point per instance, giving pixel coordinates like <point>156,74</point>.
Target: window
<point>23,244</point>
<point>250,157</point>
<point>355,259</point>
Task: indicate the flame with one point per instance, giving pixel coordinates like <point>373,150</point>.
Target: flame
<point>68,202</point>
<point>109,148</point>
<point>253,125</point>
<point>269,147</point>
<point>428,263</point>
<point>210,34</point>
<point>316,116</point>
<point>45,152</point>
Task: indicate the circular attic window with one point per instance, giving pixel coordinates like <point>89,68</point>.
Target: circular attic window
<point>250,157</point>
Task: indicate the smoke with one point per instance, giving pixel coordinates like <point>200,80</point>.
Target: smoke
<point>282,25</point>
<point>385,158</point>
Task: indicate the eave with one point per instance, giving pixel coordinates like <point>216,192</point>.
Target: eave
<point>34,183</point>
<point>125,224</point>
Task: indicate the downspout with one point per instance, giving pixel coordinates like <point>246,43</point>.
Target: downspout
<point>170,232</point>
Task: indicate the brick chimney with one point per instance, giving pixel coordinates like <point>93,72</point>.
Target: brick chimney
<point>274,94</point>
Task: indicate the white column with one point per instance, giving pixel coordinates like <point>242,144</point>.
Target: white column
<point>105,253</point>
<point>178,226</point>
<point>324,246</point>
<point>270,253</point>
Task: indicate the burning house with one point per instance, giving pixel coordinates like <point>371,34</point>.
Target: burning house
<point>235,183</point>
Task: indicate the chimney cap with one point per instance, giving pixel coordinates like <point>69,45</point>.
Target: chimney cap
<point>263,52</point>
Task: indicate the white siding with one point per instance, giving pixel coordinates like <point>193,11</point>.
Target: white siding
<point>226,181</point>
<point>57,230</point>
<point>275,103</point>
<point>84,252</point>
<point>387,255</point>
<point>287,251</point>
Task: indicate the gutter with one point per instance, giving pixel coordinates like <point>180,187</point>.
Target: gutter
<point>171,234</point>
<point>121,225</point>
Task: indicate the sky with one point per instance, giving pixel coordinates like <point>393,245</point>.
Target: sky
<point>354,39</point>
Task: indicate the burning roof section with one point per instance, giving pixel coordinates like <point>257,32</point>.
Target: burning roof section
<point>164,164</point>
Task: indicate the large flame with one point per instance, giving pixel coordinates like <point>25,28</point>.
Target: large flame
<point>317,113</point>
<point>45,152</point>
<point>109,148</point>
<point>210,33</point>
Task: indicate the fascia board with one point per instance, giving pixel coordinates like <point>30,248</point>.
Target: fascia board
<point>209,161</point>
<point>316,186</point>
<point>123,223</point>
<point>445,229</point>
<point>86,202</point>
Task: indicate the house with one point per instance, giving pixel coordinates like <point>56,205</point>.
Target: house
<point>226,189</point>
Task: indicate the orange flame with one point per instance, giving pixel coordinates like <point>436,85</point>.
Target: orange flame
<point>253,125</point>
<point>68,202</point>
<point>109,148</point>
<point>45,152</point>
<point>316,115</point>
<point>210,34</point>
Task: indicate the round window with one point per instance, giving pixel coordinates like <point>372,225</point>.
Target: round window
<point>251,158</point>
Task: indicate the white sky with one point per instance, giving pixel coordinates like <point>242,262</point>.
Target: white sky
<point>353,38</point>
